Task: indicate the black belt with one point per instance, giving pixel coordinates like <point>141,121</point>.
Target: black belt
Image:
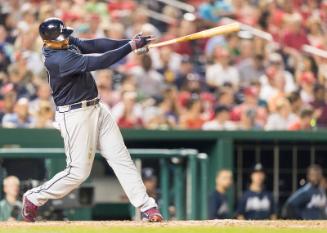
<point>82,104</point>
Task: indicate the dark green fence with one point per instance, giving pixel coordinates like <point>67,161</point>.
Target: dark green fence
<point>237,150</point>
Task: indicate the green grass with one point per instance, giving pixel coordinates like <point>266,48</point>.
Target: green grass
<point>150,229</point>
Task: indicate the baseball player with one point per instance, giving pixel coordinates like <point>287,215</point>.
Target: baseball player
<point>85,123</point>
<point>218,203</point>
<point>257,203</point>
<point>309,202</point>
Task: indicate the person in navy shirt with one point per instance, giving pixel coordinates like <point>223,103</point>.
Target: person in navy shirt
<point>218,203</point>
<point>256,203</point>
<point>309,202</point>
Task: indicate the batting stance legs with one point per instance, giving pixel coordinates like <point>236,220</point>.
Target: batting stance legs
<point>84,130</point>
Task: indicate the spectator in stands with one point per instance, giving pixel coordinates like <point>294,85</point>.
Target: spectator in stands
<point>10,207</point>
<point>214,10</point>
<point>309,202</point>
<point>128,113</point>
<point>4,59</point>
<point>248,120</point>
<point>221,120</point>
<point>316,32</point>
<point>148,80</point>
<point>8,104</point>
<point>226,96</point>
<point>170,107</point>
<point>295,101</point>
<point>282,118</point>
<point>250,67</point>
<point>257,203</point>
<point>44,116</point>
<point>249,113</point>
<point>193,84</point>
<point>319,105</point>
<point>192,117</point>
<point>307,81</point>
<point>221,71</point>
<point>305,122</point>
<point>294,37</point>
<point>43,95</point>
<point>20,118</point>
<point>218,203</point>
<point>105,86</point>
<point>5,49</point>
<point>168,63</point>
<point>276,79</point>
<point>19,81</point>
<point>185,68</point>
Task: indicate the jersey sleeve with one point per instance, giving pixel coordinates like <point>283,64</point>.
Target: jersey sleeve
<point>295,203</point>
<point>73,63</point>
<point>241,205</point>
<point>100,45</point>
<point>213,206</point>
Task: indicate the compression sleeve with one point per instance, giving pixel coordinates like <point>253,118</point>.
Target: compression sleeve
<point>74,63</point>
<point>100,45</point>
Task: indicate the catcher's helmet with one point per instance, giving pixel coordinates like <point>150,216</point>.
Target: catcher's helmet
<point>54,29</point>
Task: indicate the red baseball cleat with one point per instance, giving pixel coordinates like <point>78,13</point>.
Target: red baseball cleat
<point>29,210</point>
<point>152,215</point>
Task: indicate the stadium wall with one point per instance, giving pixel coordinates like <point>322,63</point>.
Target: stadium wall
<point>282,153</point>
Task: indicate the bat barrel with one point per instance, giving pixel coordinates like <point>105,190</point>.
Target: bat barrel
<point>221,30</point>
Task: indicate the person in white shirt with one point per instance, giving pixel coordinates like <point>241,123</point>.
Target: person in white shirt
<point>221,71</point>
<point>276,78</point>
<point>221,120</point>
<point>282,118</point>
<point>150,83</point>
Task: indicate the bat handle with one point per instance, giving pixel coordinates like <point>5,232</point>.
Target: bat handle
<point>141,51</point>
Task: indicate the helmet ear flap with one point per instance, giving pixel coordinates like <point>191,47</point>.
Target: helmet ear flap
<point>67,31</point>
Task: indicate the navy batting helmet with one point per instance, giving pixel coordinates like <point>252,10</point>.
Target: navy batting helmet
<point>54,29</point>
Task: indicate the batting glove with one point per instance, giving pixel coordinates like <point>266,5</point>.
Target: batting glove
<point>140,41</point>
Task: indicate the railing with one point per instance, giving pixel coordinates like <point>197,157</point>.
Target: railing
<point>176,156</point>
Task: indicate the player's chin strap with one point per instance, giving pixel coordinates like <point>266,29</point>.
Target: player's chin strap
<point>56,44</point>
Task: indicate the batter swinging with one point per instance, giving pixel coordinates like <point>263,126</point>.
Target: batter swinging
<point>85,123</point>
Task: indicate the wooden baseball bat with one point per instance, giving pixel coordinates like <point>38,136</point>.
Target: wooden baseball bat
<point>221,30</point>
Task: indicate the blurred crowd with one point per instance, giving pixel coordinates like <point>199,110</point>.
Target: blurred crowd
<point>237,82</point>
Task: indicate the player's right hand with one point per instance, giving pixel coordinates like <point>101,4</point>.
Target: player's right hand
<point>140,41</point>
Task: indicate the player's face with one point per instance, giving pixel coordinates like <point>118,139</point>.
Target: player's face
<point>258,178</point>
<point>150,184</point>
<point>314,176</point>
<point>225,179</point>
<point>12,189</point>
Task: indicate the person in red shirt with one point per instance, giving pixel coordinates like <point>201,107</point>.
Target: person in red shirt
<point>192,118</point>
<point>294,36</point>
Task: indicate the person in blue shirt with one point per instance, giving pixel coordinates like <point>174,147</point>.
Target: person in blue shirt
<point>20,118</point>
<point>218,203</point>
<point>257,203</point>
<point>214,10</point>
<point>309,202</point>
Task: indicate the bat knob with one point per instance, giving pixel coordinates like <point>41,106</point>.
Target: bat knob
<point>141,51</point>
